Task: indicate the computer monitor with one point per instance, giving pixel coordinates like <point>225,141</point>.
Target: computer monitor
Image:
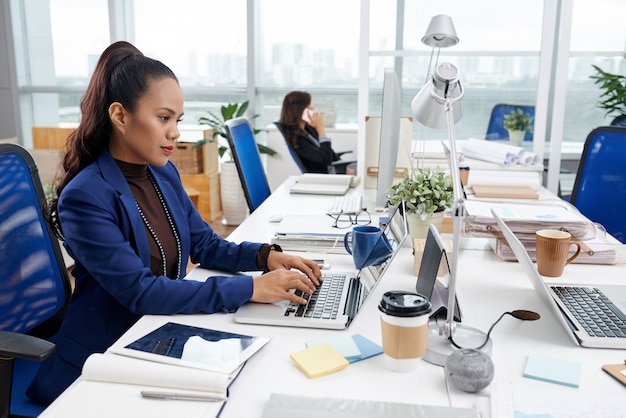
<point>389,135</point>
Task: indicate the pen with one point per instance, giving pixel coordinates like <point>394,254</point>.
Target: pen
<point>154,394</point>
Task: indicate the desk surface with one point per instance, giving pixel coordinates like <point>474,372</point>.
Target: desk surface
<point>486,287</point>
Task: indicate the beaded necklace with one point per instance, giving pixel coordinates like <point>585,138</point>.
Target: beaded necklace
<point>172,226</point>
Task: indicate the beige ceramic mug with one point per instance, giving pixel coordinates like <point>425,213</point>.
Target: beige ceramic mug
<point>553,250</point>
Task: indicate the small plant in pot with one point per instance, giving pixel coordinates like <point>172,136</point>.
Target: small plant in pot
<point>613,96</point>
<point>228,112</point>
<point>517,122</point>
<point>426,193</point>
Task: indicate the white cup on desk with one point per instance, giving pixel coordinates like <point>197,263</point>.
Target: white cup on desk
<point>404,326</point>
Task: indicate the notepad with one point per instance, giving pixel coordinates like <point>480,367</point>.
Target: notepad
<point>367,348</point>
<point>319,360</point>
<point>331,184</point>
<point>553,370</point>
<point>344,344</point>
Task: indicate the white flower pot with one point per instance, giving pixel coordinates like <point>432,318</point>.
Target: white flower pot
<point>234,204</point>
<point>418,228</point>
<point>517,137</point>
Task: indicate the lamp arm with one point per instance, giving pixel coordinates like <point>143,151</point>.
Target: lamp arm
<point>458,213</point>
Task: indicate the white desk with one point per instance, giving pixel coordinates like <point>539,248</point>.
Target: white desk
<point>486,288</point>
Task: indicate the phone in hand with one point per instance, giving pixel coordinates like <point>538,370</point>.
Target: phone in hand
<point>306,115</point>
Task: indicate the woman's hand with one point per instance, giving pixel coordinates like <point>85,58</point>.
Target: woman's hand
<point>317,121</point>
<point>279,260</point>
<point>276,285</point>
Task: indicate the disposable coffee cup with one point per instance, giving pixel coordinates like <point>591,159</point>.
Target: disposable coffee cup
<point>404,326</point>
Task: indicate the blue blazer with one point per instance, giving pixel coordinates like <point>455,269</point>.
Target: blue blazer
<point>105,236</point>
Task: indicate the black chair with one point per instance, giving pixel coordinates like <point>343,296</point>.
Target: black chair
<point>339,165</point>
<point>34,284</point>
<point>246,155</point>
<point>599,190</point>
<point>496,129</point>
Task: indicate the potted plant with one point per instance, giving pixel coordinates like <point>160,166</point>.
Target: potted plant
<point>234,206</point>
<point>426,193</point>
<point>613,97</point>
<point>228,112</point>
<point>517,122</point>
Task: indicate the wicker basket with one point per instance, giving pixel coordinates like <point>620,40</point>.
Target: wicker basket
<point>187,159</point>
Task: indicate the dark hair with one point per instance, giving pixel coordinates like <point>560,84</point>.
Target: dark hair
<point>122,75</point>
<point>294,104</point>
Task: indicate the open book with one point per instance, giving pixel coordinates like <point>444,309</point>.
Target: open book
<point>109,380</point>
<point>332,184</point>
<point>159,380</point>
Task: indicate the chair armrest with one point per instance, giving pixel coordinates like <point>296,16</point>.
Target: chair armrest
<point>16,345</point>
<point>340,153</point>
<point>340,163</point>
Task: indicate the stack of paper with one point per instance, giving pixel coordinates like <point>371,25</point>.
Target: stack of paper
<point>312,233</point>
<point>595,251</point>
<point>525,219</point>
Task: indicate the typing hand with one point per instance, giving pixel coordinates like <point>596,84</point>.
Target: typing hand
<point>278,260</point>
<point>276,285</point>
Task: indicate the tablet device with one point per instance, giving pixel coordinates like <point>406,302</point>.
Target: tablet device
<point>195,347</point>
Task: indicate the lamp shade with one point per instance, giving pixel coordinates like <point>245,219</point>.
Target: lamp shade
<point>440,32</point>
<point>428,104</point>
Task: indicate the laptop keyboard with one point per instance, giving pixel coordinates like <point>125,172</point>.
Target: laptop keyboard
<point>593,310</point>
<point>324,303</point>
<point>349,204</point>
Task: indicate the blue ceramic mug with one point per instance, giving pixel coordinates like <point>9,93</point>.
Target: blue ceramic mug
<point>370,246</point>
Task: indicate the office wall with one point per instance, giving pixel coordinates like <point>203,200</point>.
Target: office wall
<point>9,107</point>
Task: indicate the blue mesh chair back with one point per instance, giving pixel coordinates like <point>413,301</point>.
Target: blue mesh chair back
<point>34,284</point>
<point>599,190</point>
<point>292,152</point>
<point>246,155</point>
<point>496,129</point>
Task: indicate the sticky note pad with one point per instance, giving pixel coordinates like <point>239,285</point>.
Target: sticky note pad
<point>344,344</point>
<point>319,360</point>
<point>553,370</point>
<point>367,348</point>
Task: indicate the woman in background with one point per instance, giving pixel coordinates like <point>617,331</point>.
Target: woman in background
<point>303,128</point>
<point>131,228</point>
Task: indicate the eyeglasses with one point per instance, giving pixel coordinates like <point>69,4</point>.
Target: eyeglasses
<point>346,220</point>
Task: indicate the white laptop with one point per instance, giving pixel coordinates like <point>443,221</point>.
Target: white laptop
<point>576,325</point>
<point>351,293</point>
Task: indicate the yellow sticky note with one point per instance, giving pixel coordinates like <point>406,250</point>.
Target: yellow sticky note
<point>319,360</point>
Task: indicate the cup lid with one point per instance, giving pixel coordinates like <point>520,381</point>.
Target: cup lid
<point>403,303</point>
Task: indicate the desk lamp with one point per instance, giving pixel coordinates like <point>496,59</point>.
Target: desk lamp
<point>438,105</point>
<point>439,34</point>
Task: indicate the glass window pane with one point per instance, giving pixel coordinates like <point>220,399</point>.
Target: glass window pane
<point>308,44</point>
<point>202,41</point>
<point>495,66</point>
<point>77,42</point>
<point>598,38</point>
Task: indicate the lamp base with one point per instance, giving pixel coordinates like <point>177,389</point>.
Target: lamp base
<point>439,348</point>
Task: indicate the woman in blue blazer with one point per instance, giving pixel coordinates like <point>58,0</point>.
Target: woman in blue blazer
<point>130,227</point>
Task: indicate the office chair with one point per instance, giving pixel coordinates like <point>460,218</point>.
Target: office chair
<point>34,284</point>
<point>340,165</point>
<point>599,191</point>
<point>246,155</point>
<point>496,130</point>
